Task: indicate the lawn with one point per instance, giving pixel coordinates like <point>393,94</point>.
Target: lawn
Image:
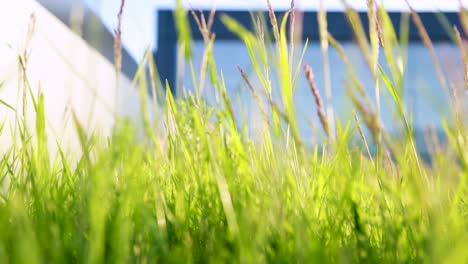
<point>201,187</point>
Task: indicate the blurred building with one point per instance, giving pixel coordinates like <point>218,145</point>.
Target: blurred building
<point>150,24</point>
<point>41,56</point>
<point>81,19</point>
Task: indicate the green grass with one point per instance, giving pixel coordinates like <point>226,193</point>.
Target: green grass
<point>204,189</point>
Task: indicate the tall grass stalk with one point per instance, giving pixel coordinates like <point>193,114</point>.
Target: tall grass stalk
<point>324,45</point>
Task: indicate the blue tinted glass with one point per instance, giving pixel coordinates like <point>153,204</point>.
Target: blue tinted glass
<point>425,99</point>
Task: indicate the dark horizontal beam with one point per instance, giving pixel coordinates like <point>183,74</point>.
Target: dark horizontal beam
<point>338,25</point>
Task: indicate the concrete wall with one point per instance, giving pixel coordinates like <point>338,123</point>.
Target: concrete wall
<point>84,22</point>
<point>71,75</point>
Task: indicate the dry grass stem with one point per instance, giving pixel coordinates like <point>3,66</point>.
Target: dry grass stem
<point>318,100</point>
<point>361,133</point>
<point>456,103</point>
<point>374,34</point>
<point>428,43</point>
<point>211,18</point>
<point>349,66</point>
<point>324,47</point>
<point>203,26</point>
<point>463,14</point>
<point>208,38</point>
<point>360,37</point>
<point>378,28</point>
<point>118,39</point>
<point>274,106</point>
<point>197,20</point>
<point>292,24</point>
<point>464,53</point>
<point>297,17</point>
<point>370,118</point>
<point>254,93</point>
<point>374,39</point>
<point>274,22</point>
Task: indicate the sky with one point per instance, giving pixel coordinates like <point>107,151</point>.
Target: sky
<point>139,19</point>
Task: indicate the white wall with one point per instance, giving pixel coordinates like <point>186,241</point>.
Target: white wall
<point>71,75</point>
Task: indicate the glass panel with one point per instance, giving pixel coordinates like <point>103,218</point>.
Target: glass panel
<point>426,101</point>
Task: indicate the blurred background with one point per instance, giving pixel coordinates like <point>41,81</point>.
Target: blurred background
<point>82,18</point>
<point>95,21</point>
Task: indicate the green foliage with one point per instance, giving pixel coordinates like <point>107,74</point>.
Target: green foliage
<point>204,190</point>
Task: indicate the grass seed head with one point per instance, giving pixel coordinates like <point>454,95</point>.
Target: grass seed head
<point>318,100</point>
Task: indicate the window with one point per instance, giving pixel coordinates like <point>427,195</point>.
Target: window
<point>425,98</point>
